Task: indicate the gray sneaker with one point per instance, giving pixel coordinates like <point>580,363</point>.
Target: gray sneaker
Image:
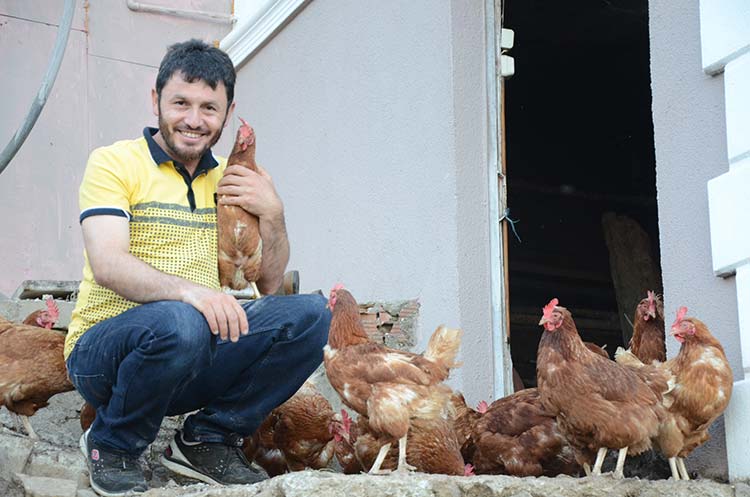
<point>216,463</point>
<point>112,474</point>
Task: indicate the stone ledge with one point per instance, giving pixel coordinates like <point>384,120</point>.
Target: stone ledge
<point>309,483</point>
<point>40,486</point>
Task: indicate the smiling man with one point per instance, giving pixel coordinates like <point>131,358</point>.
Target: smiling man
<point>151,334</point>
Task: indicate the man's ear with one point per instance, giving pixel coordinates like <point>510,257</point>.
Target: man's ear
<point>155,101</point>
<point>229,114</point>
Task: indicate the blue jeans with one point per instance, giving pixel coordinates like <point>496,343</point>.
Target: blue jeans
<point>160,359</point>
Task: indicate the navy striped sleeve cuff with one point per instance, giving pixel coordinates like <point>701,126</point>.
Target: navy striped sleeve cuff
<point>104,211</point>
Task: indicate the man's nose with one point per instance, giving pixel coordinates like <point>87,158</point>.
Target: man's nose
<point>193,117</point>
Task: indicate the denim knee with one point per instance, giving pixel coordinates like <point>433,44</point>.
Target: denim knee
<point>313,316</point>
<point>183,334</point>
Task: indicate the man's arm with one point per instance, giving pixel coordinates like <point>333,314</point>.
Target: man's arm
<point>107,242</point>
<point>255,193</point>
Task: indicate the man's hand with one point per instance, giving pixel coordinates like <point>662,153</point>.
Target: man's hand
<point>253,191</point>
<point>224,314</point>
<point>107,239</point>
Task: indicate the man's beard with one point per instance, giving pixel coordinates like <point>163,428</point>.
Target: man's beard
<point>184,155</point>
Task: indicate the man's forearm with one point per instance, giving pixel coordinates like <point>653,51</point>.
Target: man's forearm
<point>275,254</point>
<point>139,282</point>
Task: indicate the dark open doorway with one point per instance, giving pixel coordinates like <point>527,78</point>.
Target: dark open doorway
<point>579,141</point>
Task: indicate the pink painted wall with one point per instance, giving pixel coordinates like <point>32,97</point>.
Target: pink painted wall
<point>101,94</point>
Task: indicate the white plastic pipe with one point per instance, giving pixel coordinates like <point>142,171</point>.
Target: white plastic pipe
<point>47,82</point>
<point>190,14</point>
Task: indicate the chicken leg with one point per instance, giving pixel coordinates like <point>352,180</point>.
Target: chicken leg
<point>375,470</point>
<point>673,467</point>
<point>27,426</point>
<point>403,466</point>
<point>599,461</point>
<point>620,463</point>
<point>682,468</point>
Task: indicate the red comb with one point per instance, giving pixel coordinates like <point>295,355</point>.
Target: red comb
<point>245,130</point>
<point>482,406</point>
<point>547,310</point>
<point>469,470</point>
<point>346,420</point>
<point>651,296</point>
<point>337,286</point>
<point>680,316</point>
<point>52,309</point>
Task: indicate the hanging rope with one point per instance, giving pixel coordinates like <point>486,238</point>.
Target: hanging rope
<point>512,222</point>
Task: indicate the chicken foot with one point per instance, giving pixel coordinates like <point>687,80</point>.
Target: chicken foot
<point>403,466</point>
<point>621,455</point>
<point>682,468</point>
<point>251,292</point>
<point>375,470</point>
<point>599,461</point>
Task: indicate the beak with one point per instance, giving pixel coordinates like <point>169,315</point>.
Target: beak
<point>674,332</point>
<point>543,321</point>
<point>652,313</point>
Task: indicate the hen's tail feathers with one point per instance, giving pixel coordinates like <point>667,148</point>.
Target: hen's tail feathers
<point>627,358</point>
<point>656,375</point>
<point>443,346</point>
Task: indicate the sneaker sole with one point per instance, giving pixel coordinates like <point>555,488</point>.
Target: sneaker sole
<point>178,464</point>
<point>94,486</point>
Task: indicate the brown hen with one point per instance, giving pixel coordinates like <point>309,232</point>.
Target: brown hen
<point>702,389</point>
<point>239,241</point>
<point>432,447</point>
<point>393,389</point>
<point>296,435</point>
<point>32,368</point>
<point>599,404</point>
<point>647,343</point>
<point>516,436</point>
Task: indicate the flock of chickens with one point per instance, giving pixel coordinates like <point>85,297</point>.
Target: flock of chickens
<point>408,419</point>
<point>584,405</point>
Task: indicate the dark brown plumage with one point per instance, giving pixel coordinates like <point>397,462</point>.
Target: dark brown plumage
<point>598,403</point>
<point>516,436</point>
<point>296,435</point>
<point>647,343</point>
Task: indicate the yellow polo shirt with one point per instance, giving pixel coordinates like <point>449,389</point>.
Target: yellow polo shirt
<point>172,219</point>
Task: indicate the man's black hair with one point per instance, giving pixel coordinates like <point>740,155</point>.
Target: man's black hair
<point>196,61</point>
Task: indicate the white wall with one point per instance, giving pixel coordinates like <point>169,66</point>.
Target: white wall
<point>689,132</point>
<point>373,123</point>
<point>726,43</point>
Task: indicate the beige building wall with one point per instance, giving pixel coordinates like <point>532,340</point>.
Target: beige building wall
<point>373,124</point>
<point>371,120</point>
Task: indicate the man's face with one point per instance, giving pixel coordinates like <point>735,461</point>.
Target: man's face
<point>191,117</point>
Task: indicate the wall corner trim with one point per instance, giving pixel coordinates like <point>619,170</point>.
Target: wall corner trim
<point>250,34</point>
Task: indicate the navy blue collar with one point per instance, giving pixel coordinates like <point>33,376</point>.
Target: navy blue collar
<point>206,163</point>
